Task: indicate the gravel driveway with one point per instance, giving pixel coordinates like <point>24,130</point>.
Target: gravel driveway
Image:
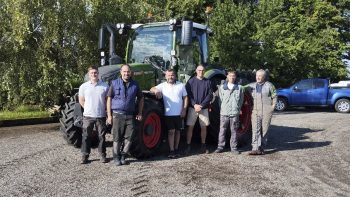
<point>308,155</point>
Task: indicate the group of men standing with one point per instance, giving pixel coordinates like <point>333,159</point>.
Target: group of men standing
<point>118,103</point>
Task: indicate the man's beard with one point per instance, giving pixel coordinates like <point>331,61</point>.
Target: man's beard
<point>170,81</point>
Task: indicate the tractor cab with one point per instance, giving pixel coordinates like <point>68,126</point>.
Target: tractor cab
<point>178,45</point>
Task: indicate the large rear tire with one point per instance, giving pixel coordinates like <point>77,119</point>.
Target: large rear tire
<point>71,133</point>
<point>71,124</point>
<point>148,133</point>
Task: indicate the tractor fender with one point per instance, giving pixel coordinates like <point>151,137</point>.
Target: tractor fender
<point>214,72</point>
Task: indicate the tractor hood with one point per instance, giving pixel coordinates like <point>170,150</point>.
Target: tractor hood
<point>145,74</point>
<point>107,73</point>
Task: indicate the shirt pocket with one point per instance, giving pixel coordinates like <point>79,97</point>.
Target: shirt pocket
<point>117,92</point>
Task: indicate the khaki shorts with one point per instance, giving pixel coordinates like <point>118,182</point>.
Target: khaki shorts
<point>192,116</point>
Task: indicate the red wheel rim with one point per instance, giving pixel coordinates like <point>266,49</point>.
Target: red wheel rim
<point>245,115</point>
<point>151,130</point>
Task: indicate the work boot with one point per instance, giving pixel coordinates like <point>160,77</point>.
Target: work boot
<point>84,159</point>
<point>122,159</point>
<point>235,152</point>
<point>117,161</point>
<point>188,149</point>
<point>204,149</point>
<point>255,152</point>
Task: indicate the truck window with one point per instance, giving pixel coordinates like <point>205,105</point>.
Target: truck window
<point>318,84</point>
<point>304,85</point>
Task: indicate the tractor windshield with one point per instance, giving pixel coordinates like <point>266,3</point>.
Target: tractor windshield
<point>152,42</point>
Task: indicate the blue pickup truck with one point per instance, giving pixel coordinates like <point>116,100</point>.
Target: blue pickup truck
<point>314,92</point>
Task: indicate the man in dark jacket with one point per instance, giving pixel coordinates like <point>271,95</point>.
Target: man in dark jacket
<point>122,96</point>
<point>200,92</point>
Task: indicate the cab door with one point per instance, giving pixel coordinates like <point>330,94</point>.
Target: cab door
<point>301,92</point>
<point>318,94</point>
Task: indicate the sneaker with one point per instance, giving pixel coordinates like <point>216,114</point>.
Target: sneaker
<point>122,159</point>
<point>188,149</point>
<point>255,152</point>
<point>117,162</point>
<point>177,153</point>
<point>235,152</point>
<point>171,154</point>
<point>262,151</point>
<point>103,159</point>
<point>219,150</point>
<point>204,149</point>
<point>84,159</point>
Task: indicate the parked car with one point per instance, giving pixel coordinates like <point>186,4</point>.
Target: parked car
<point>314,92</point>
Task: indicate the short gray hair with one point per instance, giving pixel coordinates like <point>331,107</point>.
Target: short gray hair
<point>262,71</point>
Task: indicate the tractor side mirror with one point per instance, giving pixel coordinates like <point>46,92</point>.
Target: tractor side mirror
<point>186,33</point>
<point>101,39</point>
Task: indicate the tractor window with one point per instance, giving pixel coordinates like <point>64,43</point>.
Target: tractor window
<point>152,42</point>
<point>197,53</point>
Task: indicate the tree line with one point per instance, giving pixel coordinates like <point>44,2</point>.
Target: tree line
<point>46,45</point>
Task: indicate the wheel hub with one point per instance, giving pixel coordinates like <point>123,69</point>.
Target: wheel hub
<point>152,130</point>
<point>344,106</point>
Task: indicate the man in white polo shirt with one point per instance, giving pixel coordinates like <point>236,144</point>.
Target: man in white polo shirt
<point>92,97</point>
<point>175,106</point>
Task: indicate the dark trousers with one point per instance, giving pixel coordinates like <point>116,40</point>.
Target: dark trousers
<point>88,126</point>
<point>226,123</point>
<point>123,129</point>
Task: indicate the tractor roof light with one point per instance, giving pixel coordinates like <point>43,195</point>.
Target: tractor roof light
<point>172,21</point>
<point>120,25</point>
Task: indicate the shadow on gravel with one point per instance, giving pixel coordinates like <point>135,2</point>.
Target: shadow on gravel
<point>283,138</point>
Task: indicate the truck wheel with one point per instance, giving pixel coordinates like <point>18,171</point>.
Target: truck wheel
<point>342,106</point>
<point>148,132</point>
<point>281,104</point>
<point>71,123</point>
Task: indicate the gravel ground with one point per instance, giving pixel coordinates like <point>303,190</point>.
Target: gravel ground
<point>308,155</point>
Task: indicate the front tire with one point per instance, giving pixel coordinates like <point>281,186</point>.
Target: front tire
<point>281,104</point>
<point>148,132</point>
<point>342,106</point>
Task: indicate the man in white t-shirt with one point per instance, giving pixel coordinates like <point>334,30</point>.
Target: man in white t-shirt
<point>92,97</point>
<point>175,105</point>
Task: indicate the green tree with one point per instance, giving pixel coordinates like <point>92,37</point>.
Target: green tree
<point>234,28</point>
<point>299,39</point>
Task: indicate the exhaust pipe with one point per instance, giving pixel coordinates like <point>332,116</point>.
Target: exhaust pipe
<point>113,57</point>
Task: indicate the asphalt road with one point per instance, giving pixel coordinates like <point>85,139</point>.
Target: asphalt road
<point>308,155</point>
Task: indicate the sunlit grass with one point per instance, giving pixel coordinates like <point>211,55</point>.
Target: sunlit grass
<point>24,112</point>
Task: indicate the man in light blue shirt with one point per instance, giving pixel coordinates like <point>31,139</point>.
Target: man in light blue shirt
<point>92,97</point>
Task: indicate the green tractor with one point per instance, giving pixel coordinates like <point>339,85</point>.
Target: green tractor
<point>151,50</point>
